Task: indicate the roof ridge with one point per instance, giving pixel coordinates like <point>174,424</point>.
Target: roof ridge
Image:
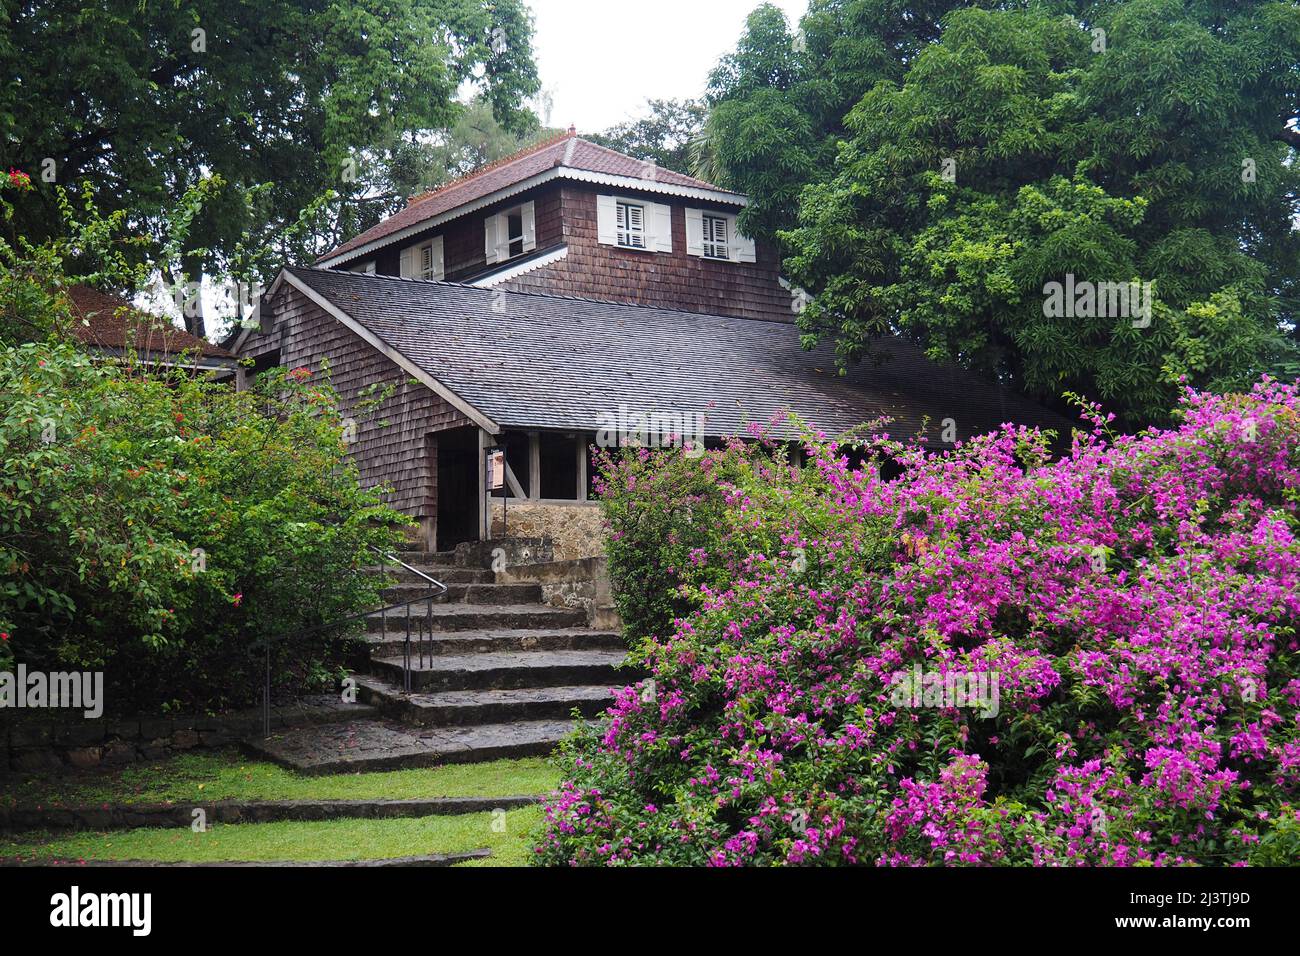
<point>495,164</point>
<point>539,295</point>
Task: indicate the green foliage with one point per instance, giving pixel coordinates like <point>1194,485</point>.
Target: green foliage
<point>167,529</point>
<point>275,98</point>
<point>675,532</point>
<point>659,506</point>
<point>228,775</point>
<point>476,138</point>
<point>350,839</point>
<point>931,175</point>
<point>777,104</point>
<point>664,135</point>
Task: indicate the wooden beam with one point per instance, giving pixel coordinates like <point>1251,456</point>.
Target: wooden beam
<point>534,465</point>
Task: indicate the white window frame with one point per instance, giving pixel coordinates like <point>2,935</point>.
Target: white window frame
<point>656,224</point>
<point>364,268</point>
<point>627,233</point>
<point>496,229</point>
<point>738,247</point>
<point>713,248</point>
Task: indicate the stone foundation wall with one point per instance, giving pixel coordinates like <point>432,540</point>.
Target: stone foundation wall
<point>575,530</point>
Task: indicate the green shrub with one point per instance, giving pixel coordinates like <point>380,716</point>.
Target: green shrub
<point>168,529</point>
<point>993,658</point>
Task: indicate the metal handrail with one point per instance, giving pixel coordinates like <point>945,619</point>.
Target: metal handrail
<point>426,599</point>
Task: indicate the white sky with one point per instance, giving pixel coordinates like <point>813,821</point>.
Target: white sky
<point>601,59</point>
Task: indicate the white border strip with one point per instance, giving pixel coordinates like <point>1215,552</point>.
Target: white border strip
<point>522,269</point>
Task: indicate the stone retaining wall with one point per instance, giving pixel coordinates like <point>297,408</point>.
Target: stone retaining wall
<point>56,741</point>
<point>579,582</point>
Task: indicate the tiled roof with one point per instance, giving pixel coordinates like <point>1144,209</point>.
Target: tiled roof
<point>541,361</point>
<point>101,322</point>
<point>567,151</point>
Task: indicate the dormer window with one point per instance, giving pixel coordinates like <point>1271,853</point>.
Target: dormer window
<point>509,233</point>
<point>631,225</point>
<point>423,260</point>
<point>713,235</point>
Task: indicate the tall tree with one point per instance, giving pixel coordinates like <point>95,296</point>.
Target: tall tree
<point>664,135</point>
<point>143,98</point>
<point>477,137</point>
<point>1016,153</point>
<point>777,104</point>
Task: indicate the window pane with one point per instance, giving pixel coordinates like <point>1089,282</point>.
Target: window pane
<point>515,232</point>
<point>559,466</point>
<point>516,446</point>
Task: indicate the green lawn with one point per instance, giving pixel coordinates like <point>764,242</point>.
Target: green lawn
<point>226,775</point>
<point>506,835</point>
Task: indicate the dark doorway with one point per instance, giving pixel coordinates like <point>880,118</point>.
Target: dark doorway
<point>458,502</point>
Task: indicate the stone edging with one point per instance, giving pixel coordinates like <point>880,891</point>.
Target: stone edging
<point>136,816</point>
<point>432,859</point>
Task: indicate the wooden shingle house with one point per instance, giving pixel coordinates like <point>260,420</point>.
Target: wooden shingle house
<point>567,296</point>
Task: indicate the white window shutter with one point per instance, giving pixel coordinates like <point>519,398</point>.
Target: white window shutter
<point>661,219</point>
<point>491,239</point>
<point>409,267</point>
<point>606,220</point>
<point>694,232</point>
<point>744,245</point>
<point>437,271</point>
<point>530,225</point>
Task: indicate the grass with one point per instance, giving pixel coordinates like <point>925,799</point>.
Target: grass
<point>327,840</point>
<point>226,775</point>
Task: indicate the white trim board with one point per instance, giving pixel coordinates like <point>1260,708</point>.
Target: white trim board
<point>505,275</point>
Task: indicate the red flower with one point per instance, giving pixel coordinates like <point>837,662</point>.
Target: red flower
<point>300,374</point>
<point>4,635</point>
<point>237,598</point>
<point>19,178</point>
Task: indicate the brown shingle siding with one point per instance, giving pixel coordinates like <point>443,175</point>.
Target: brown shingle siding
<point>393,445</point>
<point>676,280</point>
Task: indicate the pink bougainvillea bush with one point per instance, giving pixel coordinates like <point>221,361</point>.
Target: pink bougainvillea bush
<point>1133,604</point>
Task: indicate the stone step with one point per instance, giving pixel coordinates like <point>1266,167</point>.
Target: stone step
<point>478,617</point>
<point>468,593</point>
<point>445,575</point>
<point>504,670</point>
<point>370,745</point>
<point>389,644</point>
<point>415,556</point>
<point>466,707</point>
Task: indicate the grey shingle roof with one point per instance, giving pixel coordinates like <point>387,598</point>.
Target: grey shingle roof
<point>542,361</point>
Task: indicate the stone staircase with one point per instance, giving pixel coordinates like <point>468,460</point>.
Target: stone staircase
<point>498,674</point>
